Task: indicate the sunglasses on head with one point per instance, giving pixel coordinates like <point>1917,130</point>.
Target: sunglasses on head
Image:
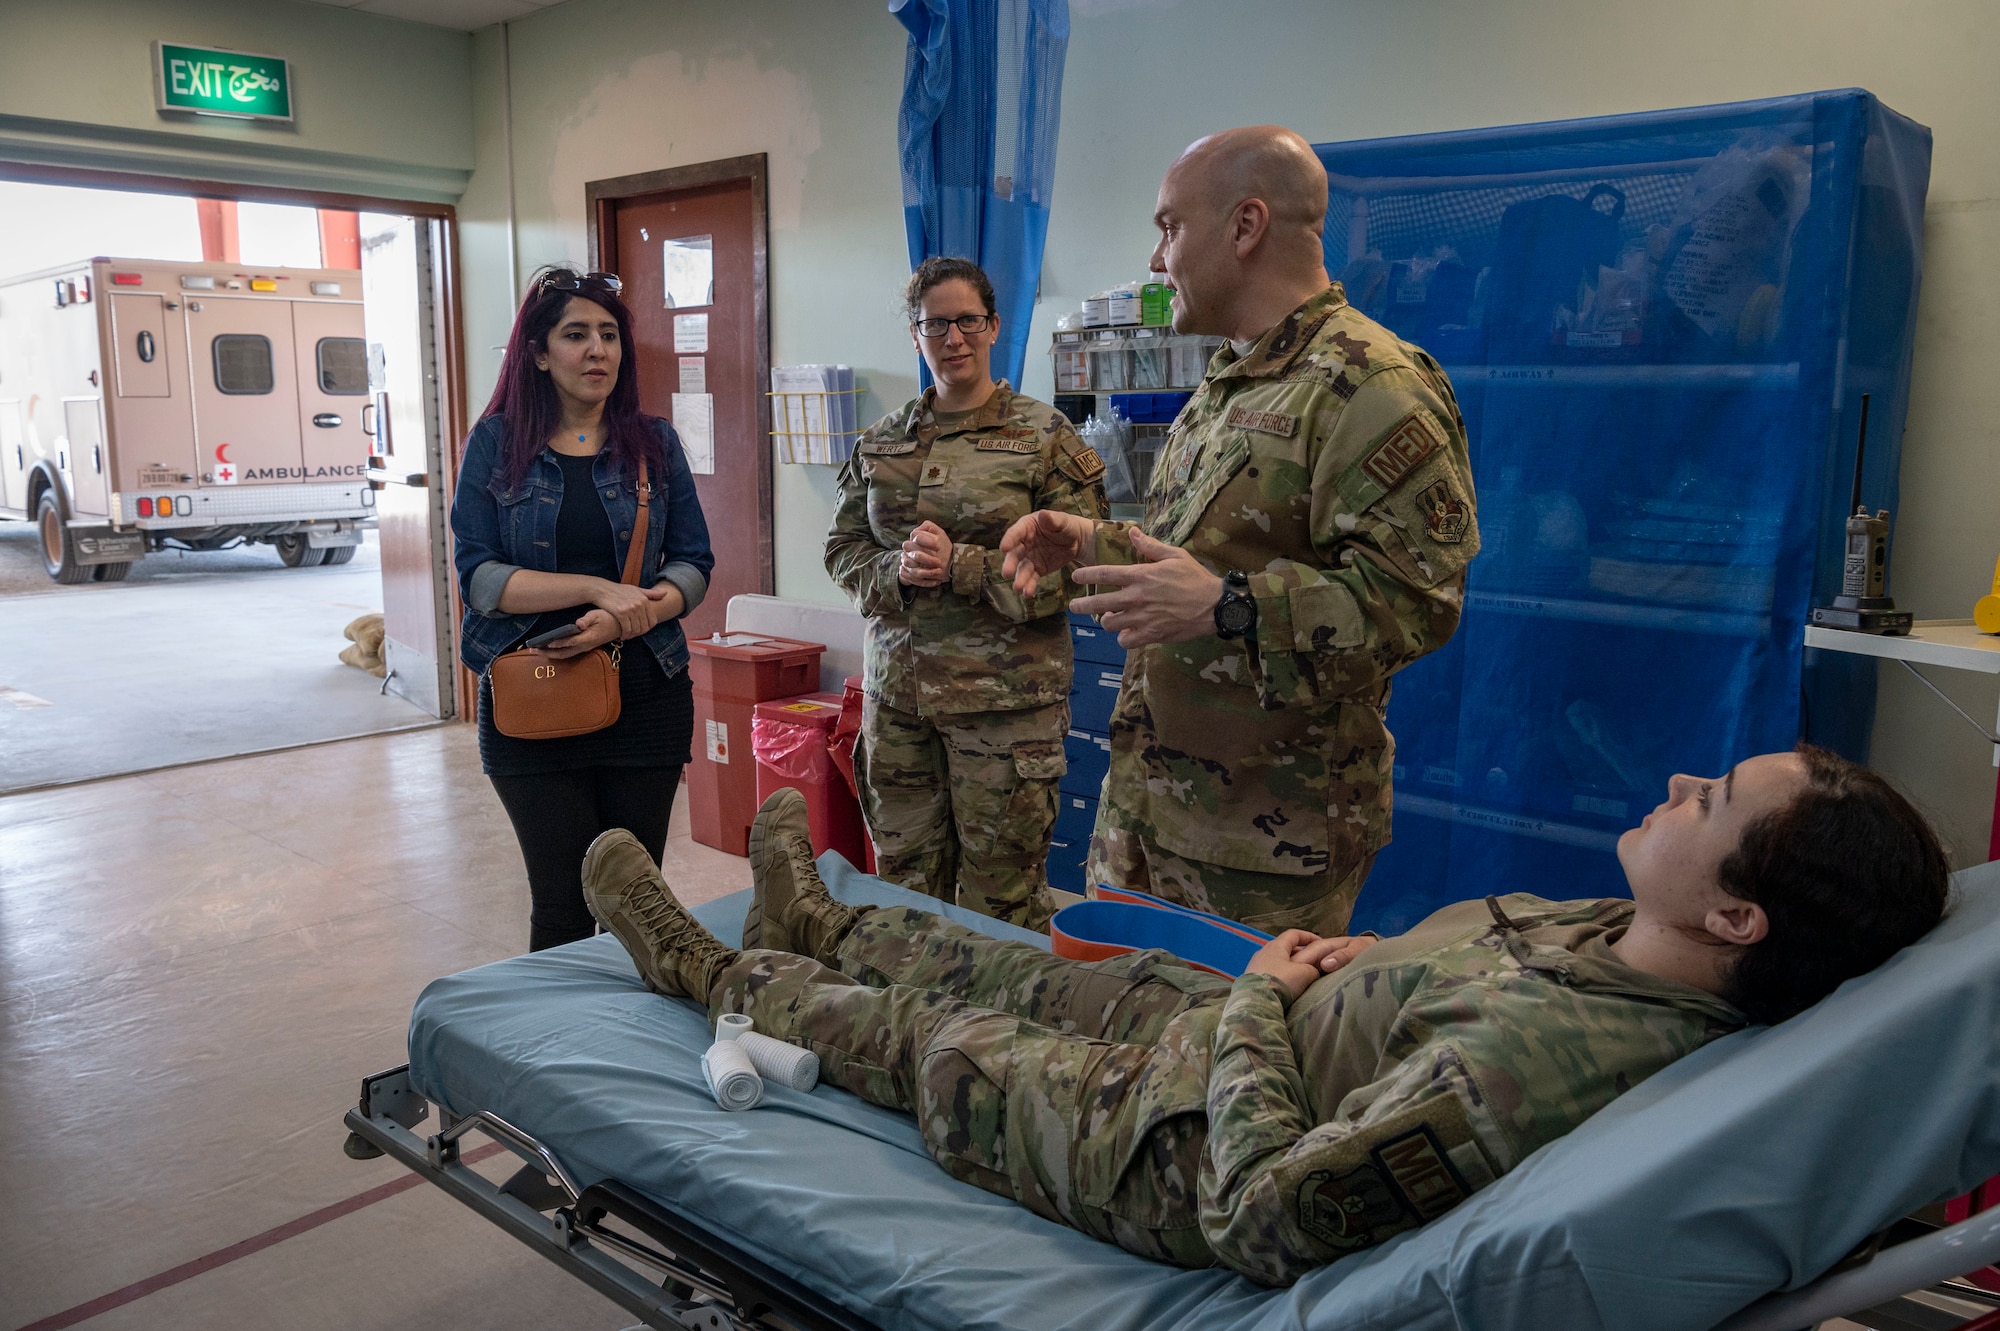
<point>572,282</point>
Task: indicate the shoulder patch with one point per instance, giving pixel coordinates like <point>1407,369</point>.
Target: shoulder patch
<point>1423,1174</point>
<point>1445,515</point>
<point>1083,464</point>
<point>1408,443</point>
<point>1345,1210</point>
<point>1263,422</point>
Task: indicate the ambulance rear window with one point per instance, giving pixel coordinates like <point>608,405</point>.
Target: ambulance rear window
<point>343,366</point>
<point>243,363</point>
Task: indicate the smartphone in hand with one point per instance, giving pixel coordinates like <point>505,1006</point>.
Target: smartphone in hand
<point>554,635</point>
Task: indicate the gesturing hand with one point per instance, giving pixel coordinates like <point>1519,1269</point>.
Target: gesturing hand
<point>1041,543</point>
<point>926,560</point>
<point>1169,598</point>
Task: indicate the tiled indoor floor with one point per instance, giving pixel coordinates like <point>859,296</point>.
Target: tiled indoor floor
<point>197,966</point>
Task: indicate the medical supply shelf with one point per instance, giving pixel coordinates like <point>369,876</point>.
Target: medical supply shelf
<point>1658,328</point>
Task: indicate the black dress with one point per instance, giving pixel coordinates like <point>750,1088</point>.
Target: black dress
<point>655,722</point>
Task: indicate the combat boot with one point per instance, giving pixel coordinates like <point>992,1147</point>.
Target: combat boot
<point>772,888</point>
<point>626,893</point>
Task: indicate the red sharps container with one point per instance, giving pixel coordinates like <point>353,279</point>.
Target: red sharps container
<point>732,673</point>
<point>793,741</point>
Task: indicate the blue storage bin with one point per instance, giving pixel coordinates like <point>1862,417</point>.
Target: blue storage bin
<point>1093,644</point>
<point>1092,694</point>
<point>1149,408</point>
<point>1089,759</point>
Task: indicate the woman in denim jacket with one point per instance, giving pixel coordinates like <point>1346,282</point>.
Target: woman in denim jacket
<point>544,513</point>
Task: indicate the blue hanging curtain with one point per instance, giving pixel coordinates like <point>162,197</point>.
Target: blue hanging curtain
<point>982,97</point>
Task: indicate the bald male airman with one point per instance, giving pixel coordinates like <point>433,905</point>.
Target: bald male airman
<point>1306,535</point>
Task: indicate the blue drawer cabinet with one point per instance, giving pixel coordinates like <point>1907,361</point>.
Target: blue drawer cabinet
<point>1089,758</point>
<point>1094,643</point>
<point>1075,816</point>
<point>1092,695</point>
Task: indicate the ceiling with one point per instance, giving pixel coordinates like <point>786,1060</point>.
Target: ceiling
<point>464,15</point>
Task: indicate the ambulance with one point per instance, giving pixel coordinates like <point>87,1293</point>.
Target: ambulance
<point>147,405</point>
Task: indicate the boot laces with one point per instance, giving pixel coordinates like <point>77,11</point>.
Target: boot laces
<point>804,865</point>
<point>664,921</point>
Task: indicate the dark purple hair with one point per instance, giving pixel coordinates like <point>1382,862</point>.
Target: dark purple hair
<point>525,397</point>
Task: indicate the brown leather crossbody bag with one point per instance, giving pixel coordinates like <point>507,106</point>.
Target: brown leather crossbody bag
<point>536,696</point>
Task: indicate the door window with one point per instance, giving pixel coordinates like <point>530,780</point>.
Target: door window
<point>243,364</point>
<point>343,366</point>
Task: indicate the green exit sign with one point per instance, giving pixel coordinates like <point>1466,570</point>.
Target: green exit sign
<point>222,83</point>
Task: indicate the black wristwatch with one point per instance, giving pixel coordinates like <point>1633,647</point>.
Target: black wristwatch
<point>1236,612</point>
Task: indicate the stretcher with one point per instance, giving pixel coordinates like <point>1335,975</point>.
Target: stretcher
<point>1761,1184</point>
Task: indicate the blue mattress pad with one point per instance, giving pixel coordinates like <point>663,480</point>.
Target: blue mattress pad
<point>1752,1165</point>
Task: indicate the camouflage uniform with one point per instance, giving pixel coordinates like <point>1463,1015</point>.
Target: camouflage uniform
<point>1251,777</point>
<point>967,683</point>
<point>1194,1121</point>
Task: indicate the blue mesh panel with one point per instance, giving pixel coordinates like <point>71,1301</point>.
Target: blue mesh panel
<point>982,97</point>
<point>1659,327</point>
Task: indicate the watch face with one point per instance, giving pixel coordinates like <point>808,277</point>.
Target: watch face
<point>1233,617</point>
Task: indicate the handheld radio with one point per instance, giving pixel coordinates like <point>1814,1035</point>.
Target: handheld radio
<point>1864,604</point>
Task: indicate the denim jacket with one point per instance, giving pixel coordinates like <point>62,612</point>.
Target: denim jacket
<point>499,532</point>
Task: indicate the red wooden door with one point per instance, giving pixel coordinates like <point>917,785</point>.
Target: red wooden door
<point>649,230</point>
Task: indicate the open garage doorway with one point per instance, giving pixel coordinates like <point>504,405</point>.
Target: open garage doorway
<point>223,472</point>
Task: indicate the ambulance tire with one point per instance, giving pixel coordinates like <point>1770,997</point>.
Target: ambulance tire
<point>59,559</point>
<point>338,554</point>
<point>297,552</point>
<point>110,572</point>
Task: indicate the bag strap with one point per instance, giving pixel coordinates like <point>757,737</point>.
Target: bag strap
<point>636,555</point>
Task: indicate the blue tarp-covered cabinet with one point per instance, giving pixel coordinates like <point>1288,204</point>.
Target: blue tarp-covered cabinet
<point>1659,328</point>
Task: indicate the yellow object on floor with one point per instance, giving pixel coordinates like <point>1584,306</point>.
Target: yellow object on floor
<point>365,635</point>
<point>1986,610</point>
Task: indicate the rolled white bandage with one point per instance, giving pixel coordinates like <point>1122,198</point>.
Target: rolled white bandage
<point>730,1025</point>
<point>786,1064</point>
<point>731,1079</point>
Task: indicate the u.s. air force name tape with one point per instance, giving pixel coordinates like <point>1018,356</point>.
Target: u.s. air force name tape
<point>731,1080</point>
<point>786,1064</point>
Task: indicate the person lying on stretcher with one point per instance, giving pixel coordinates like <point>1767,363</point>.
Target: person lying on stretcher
<point>1343,1089</point>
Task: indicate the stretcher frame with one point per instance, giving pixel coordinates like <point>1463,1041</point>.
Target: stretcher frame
<point>707,1283</point>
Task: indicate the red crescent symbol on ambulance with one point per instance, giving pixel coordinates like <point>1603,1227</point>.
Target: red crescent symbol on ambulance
<point>220,455</point>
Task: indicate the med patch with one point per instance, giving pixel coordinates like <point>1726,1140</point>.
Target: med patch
<point>1423,1174</point>
<point>1277,423</point>
<point>1083,464</point>
<point>1446,516</point>
<point>1409,442</point>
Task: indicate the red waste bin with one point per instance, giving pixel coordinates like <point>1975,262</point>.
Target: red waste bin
<point>732,673</point>
<point>792,741</point>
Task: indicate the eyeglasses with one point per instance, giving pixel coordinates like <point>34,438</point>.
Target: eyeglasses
<point>571,282</point>
<point>967,324</point>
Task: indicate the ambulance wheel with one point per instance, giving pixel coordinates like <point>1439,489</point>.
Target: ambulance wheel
<point>297,551</point>
<point>110,572</point>
<point>59,559</point>
<point>337,554</point>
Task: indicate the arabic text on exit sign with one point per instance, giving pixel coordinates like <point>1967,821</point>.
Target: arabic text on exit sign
<point>222,83</point>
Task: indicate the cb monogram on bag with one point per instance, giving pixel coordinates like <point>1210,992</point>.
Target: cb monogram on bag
<point>538,696</point>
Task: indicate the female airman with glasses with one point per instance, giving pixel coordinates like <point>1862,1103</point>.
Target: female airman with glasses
<point>967,680</point>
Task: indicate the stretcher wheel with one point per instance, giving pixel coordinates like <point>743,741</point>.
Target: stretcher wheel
<point>358,1147</point>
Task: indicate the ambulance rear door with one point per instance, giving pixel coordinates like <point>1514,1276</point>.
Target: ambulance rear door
<point>246,400</point>
<point>333,387</point>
